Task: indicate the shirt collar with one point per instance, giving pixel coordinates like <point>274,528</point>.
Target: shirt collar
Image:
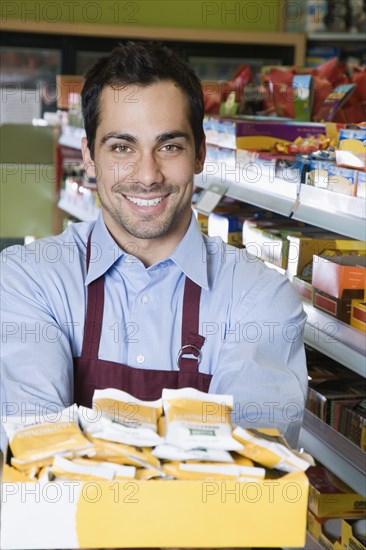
<point>189,255</point>
<point>104,251</point>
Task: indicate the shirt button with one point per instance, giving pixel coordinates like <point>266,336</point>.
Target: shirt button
<point>145,299</point>
<point>140,359</point>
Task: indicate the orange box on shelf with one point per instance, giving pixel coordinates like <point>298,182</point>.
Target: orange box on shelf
<point>358,315</point>
<point>303,248</point>
<point>336,274</point>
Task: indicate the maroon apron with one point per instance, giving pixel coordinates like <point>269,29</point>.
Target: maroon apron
<point>91,373</point>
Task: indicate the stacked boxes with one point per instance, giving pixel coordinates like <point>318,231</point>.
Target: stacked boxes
<point>330,503</point>
<point>337,281</point>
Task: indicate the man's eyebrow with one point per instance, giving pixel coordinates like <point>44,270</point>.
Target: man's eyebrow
<point>116,135</point>
<point>167,136</point>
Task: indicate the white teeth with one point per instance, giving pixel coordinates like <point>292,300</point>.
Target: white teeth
<point>144,202</point>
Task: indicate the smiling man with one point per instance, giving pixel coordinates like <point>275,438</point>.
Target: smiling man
<point>139,299</point>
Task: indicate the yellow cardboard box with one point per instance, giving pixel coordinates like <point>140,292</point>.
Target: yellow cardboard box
<point>72,514</point>
<point>349,541</point>
<point>318,530</point>
<point>302,249</point>
<point>330,497</point>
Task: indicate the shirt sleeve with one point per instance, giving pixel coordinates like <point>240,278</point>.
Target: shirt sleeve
<point>36,358</point>
<point>262,359</point>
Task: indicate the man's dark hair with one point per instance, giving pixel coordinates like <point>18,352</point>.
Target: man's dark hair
<point>141,63</point>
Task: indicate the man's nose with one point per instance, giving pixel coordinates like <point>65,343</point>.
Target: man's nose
<point>148,170</point>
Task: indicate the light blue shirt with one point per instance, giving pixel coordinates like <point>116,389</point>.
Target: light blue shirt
<point>250,315</point>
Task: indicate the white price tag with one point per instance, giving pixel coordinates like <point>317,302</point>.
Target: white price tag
<point>211,198</point>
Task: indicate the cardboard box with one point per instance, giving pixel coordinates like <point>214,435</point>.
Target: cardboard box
<point>339,308</point>
<point>330,497</point>
<point>336,274</point>
<point>349,539</point>
<point>319,530</point>
<point>154,514</point>
<point>304,288</point>
<point>302,249</point>
<point>358,315</point>
<point>268,239</point>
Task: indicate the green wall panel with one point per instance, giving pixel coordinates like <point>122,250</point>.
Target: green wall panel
<point>254,15</point>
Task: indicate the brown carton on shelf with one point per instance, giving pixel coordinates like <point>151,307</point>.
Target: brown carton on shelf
<point>352,422</point>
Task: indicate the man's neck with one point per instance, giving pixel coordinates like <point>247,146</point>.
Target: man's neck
<point>148,251</point>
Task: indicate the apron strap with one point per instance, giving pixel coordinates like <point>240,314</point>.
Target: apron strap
<point>94,313</point>
<point>192,341</point>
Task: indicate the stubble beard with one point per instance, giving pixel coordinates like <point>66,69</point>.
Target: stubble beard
<point>149,226</point>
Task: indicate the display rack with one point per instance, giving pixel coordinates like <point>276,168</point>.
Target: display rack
<point>312,544</point>
<point>345,215</point>
<point>345,459</point>
<point>335,339</point>
<point>305,203</point>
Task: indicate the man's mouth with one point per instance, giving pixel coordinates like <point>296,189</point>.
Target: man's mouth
<point>144,202</point>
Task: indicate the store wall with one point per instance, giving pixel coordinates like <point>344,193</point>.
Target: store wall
<point>255,15</point>
<point>27,176</point>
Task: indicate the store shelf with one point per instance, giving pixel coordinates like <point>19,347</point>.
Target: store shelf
<point>331,448</point>
<point>335,339</point>
<point>334,211</point>
<point>76,210</point>
<point>259,193</point>
<point>71,137</point>
<point>336,37</point>
<point>312,544</point>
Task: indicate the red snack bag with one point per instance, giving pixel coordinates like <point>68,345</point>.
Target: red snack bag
<point>215,91</point>
<point>281,91</point>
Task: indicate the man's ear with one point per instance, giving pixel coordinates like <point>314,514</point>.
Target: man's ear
<point>200,160</point>
<point>89,165</point>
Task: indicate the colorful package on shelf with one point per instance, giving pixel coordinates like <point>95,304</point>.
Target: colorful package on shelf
<point>327,175</point>
<point>339,275</point>
<point>227,226</point>
<point>331,101</point>
<point>220,131</point>
<point>351,150</point>
<point>352,422</point>
<point>303,248</point>
<point>354,534</point>
<point>358,315</point>
<point>216,92</point>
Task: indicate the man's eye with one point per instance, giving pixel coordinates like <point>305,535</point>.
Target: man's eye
<point>118,148</point>
<point>171,148</point>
